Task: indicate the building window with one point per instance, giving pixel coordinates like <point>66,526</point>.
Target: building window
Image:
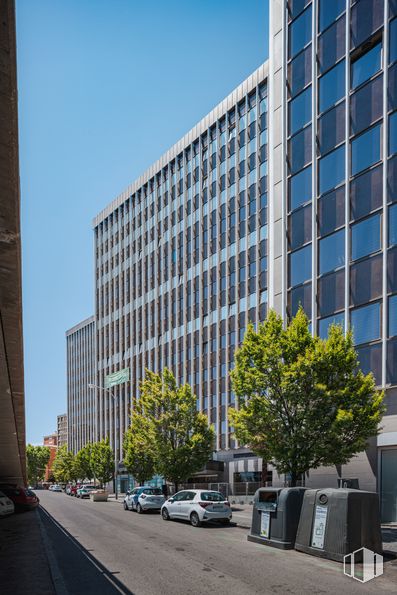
<point>366,237</point>
<point>366,149</point>
<point>366,66</point>
<point>331,44</point>
<point>331,210</point>
<point>325,323</point>
<point>300,111</point>
<point>331,128</point>
<point>300,32</point>
<point>300,227</point>
<point>332,170</point>
<point>393,133</point>
<point>366,193</point>
<point>365,323</point>
<point>332,252</point>
<point>332,86</point>
<point>366,105</point>
<point>300,71</point>
<point>301,265</point>
<point>329,12</point>
<point>392,322</point>
<point>393,41</point>
<point>366,280</point>
<point>393,225</point>
<point>366,18</point>
<point>300,296</point>
<point>300,149</point>
<point>331,293</point>
<point>300,188</point>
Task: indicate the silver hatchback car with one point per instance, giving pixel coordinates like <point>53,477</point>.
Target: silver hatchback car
<point>197,506</point>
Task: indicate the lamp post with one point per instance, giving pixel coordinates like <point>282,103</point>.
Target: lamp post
<point>93,386</point>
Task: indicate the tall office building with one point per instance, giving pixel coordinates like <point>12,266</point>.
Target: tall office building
<point>62,429</point>
<point>181,261</point>
<point>332,189</point>
<point>80,370</point>
<point>221,227</point>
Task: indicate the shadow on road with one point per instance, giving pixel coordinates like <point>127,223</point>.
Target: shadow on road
<point>73,567</point>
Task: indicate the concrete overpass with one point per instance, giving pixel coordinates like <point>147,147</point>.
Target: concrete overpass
<point>12,399</point>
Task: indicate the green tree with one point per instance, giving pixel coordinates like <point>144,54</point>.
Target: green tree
<point>64,466</point>
<point>182,440</point>
<point>83,463</point>
<point>303,401</point>
<point>37,458</point>
<point>102,461</point>
<point>139,453</point>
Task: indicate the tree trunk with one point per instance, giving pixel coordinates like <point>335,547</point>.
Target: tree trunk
<point>294,477</point>
<point>176,486</point>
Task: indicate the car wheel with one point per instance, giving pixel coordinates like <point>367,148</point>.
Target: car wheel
<point>165,514</point>
<point>125,506</point>
<point>195,520</point>
<point>139,508</point>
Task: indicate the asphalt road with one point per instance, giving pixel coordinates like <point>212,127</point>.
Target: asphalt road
<point>100,548</point>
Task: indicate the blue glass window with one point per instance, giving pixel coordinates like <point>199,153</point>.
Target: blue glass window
<point>329,12</point>
<point>301,265</point>
<point>366,66</point>
<point>300,111</point>
<point>325,323</point>
<point>300,32</point>
<point>365,322</point>
<point>366,149</point>
<point>393,225</point>
<point>332,86</point>
<point>301,188</point>
<point>366,237</point>
<point>393,133</point>
<point>332,169</point>
<point>392,316</point>
<point>393,41</point>
<point>332,252</point>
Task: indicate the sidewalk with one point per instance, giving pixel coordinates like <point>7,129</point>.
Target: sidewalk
<point>24,567</point>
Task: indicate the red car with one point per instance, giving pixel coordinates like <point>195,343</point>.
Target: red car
<point>23,498</point>
<point>73,490</point>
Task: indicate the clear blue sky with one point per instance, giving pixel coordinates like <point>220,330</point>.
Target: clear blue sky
<point>105,87</point>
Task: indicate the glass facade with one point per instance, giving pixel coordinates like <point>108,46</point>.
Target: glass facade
<point>341,172</point>
<point>181,263</point>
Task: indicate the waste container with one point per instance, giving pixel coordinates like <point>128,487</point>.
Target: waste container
<point>335,522</point>
<point>275,516</point>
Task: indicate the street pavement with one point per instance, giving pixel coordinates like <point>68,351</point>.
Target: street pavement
<point>100,548</point>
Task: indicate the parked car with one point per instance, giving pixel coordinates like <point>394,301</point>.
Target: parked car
<point>6,505</point>
<point>84,491</point>
<point>197,506</point>
<point>73,490</point>
<point>23,498</point>
<point>144,498</point>
<point>56,488</point>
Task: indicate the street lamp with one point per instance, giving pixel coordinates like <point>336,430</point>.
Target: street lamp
<point>93,386</point>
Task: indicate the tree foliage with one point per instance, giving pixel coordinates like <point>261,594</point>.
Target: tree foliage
<point>139,449</point>
<point>303,401</point>
<point>169,425</point>
<point>102,461</point>
<point>64,466</point>
<point>37,458</point>
<point>83,463</point>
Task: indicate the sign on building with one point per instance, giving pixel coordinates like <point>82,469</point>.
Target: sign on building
<point>117,378</point>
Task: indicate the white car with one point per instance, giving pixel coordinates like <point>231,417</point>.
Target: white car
<point>144,498</point>
<point>6,505</point>
<point>55,488</point>
<point>197,506</point>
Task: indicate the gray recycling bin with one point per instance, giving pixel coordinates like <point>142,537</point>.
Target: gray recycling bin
<point>335,522</point>
<point>275,516</point>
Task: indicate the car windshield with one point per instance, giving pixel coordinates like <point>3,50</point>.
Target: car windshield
<point>212,497</point>
<point>152,491</point>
